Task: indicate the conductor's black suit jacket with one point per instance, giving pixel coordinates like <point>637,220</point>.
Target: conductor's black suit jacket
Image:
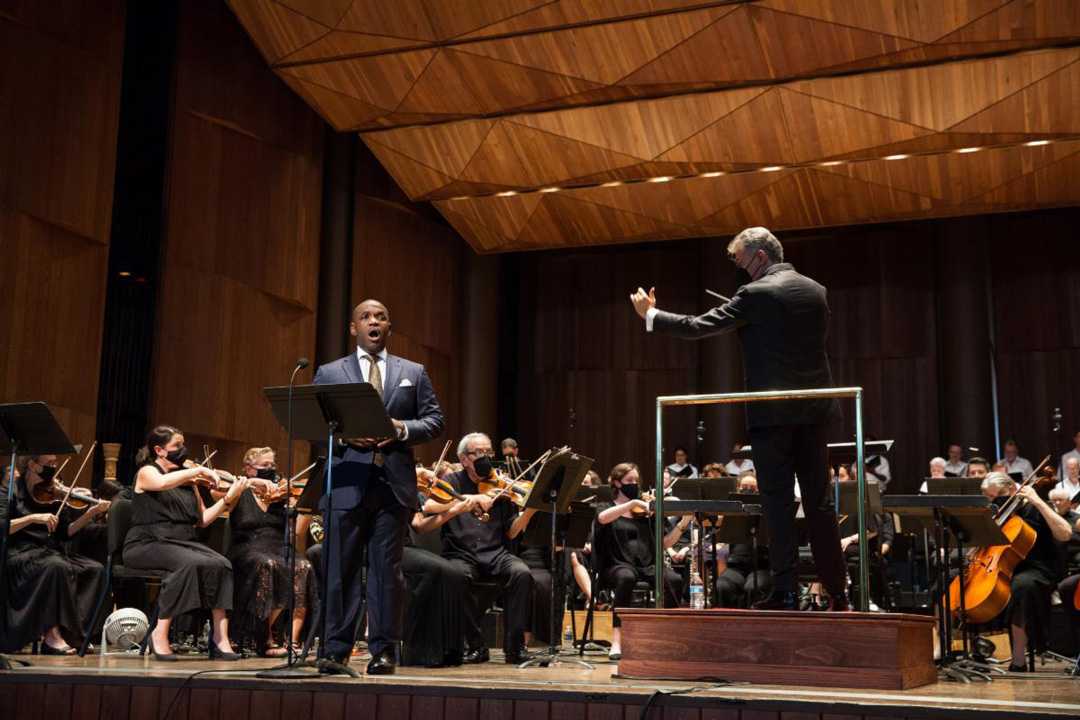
<point>782,319</point>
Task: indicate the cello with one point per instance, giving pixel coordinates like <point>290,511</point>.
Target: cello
<point>988,575</point>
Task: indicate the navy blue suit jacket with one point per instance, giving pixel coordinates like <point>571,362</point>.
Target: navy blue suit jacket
<point>409,397</point>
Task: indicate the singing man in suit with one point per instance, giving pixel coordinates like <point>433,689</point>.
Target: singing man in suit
<point>374,493</point>
<point>782,319</point>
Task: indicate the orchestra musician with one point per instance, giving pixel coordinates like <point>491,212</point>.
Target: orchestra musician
<point>624,546</point>
<point>479,550</point>
<point>782,321</point>
<point>743,575</point>
<point>50,591</point>
<point>166,509</point>
<point>374,493</point>
<point>257,552</point>
<point>1034,577</point>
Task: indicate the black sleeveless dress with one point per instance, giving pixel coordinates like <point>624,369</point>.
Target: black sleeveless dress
<point>261,567</point>
<point>162,537</point>
<point>46,585</point>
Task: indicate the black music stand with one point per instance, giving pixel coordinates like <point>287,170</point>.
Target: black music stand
<point>955,485</point>
<point>321,413</point>
<point>25,429</point>
<point>555,487</point>
<point>736,528</point>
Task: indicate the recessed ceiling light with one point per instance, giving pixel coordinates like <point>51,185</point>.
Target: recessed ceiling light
<point>507,193</point>
<point>550,189</point>
<point>771,168</point>
<point>964,151</point>
<point>715,173</point>
<point>900,156</point>
<point>613,183</point>
<point>661,179</point>
<point>1037,143</point>
<point>831,163</point>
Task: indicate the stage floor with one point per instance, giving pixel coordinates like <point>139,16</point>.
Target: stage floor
<point>493,690</point>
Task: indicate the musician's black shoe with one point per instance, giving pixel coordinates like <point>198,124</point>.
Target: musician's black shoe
<point>382,664</point>
<point>839,603</point>
<point>325,669</point>
<point>778,600</point>
<point>476,656</point>
<point>516,657</point>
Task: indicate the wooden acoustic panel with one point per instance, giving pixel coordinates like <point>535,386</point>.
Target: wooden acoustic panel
<point>364,66</point>
<point>238,292</point>
<point>59,110</point>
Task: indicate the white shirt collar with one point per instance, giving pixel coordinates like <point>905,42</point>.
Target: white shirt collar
<point>360,354</point>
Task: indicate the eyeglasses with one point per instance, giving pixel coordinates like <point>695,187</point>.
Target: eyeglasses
<point>478,453</point>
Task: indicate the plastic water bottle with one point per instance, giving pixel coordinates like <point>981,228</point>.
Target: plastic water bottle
<point>697,592</point>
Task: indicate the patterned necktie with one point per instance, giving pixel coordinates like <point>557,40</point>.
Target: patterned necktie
<point>375,375</point>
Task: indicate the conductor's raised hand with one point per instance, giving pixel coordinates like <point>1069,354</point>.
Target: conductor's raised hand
<point>643,301</point>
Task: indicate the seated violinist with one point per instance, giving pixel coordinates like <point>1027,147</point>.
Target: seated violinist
<point>624,546</point>
<point>479,550</point>
<point>49,591</point>
<point>260,566</point>
<point>1036,575</point>
<point>166,509</point>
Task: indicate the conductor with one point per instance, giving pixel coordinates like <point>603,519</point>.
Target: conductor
<point>782,320</point>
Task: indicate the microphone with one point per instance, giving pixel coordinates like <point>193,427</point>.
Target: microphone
<point>300,365</point>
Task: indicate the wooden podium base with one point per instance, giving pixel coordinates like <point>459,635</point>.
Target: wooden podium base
<point>823,649</point>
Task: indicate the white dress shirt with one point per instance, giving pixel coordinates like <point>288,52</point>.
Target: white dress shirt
<point>733,468</point>
<point>1071,487</point>
<point>365,370</point>
<point>1065,457</point>
<point>650,314</point>
<point>1021,465</point>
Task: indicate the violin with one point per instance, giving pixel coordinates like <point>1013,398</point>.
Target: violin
<point>57,493</point>
<point>516,490</point>
<point>647,497</point>
<point>440,490</point>
<point>988,575</point>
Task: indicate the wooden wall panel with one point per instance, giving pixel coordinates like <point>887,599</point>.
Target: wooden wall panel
<point>59,109</point>
<point>240,266</point>
<point>412,263</point>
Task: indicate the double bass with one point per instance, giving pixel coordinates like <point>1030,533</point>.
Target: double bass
<point>988,575</point>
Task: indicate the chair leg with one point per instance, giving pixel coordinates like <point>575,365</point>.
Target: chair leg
<point>149,629</point>
<point>92,620</point>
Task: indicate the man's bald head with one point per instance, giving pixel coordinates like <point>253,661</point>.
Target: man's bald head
<point>370,325</point>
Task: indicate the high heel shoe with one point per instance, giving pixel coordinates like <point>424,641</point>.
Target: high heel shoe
<point>162,657</point>
<point>216,653</point>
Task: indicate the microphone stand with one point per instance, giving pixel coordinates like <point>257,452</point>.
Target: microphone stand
<point>291,668</point>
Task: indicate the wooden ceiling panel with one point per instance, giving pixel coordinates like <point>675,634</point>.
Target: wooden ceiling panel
<point>277,30</point>
<point>940,96</point>
<point>600,53</point>
<point>792,113</point>
<point>912,19</point>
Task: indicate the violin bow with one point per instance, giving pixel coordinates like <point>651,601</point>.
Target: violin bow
<point>297,476</point>
<point>75,480</point>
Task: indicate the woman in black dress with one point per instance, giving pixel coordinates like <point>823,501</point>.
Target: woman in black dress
<point>259,561</point>
<point>50,591</point>
<point>165,511</point>
<point>625,547</point>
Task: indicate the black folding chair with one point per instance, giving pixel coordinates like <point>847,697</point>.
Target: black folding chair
<point>119,523</point>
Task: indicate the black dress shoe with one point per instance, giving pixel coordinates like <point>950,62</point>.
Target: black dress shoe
<point>382,664</point>
<point>839,603</point>
<point>452,659</point>
<point>326,664</point>
<point>778,601</point>
<point>516,657</point>
<point>217,653</point>
<point>476,656</point>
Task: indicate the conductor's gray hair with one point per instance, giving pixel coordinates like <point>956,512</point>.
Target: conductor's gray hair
<point>463,446</point>
<point>758,238</point>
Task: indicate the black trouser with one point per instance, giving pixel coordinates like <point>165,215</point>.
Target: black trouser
<point>622,578</point>
<point>1067,591</point>
<point>733,586</point>
<point>781,452</point>
<point>513,574</point>
<point>380,523</point>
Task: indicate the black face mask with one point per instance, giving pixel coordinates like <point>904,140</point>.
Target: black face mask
<point>482,466</point>
<point>178,456</point>
<point>266,473</point>
<point>47,472</point>
<point>629,491</point>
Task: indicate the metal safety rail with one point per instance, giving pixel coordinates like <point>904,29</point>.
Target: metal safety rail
<point>664,401</point>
